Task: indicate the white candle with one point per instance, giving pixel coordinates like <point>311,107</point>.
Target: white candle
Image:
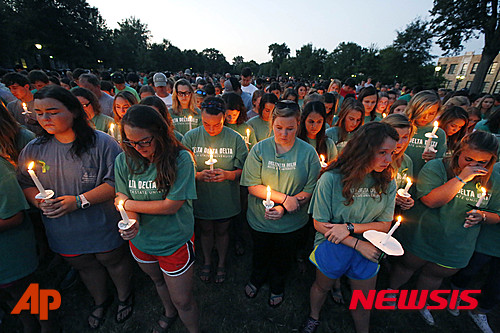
<point>25,108</point>
<point>35,179</point>
<point>398,223</point>
<point>408,184</point>
<point>481,198</point>
<point>434,130</point>
<point>190,126</point>
<point>211,160</point>
<point>247,138</point>
<point>384,115</point>
<point>123,213</point>
<point>322,161</point>
<point>428,144</point>
<point>268,197</point>
<point>112,130</point>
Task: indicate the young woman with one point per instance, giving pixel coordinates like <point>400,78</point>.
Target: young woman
<point>156,103</point>
<point>162,239</point>
<point>257,95</point>
<point>235,118</point>
<point>353,195</point>
<point>474,117</point>
<point>383,100</point>
<point>485,104</point>
<point>491,125</point>
<point>369,98</point>
<point>312,130</point>
<point>76,161</point>
<point>301,90</point>
<point>184,111</point>
<point>398,106</point>
<point>218,187</point>
<point>92,108</point>
<point>290,168</point>
<point>351,118</point>
<point>291,95</point>
<point>330,106</point>
<point>123,100</point>
<point>435,239</point>
<point>262,124</point>
<point>454,121</point>
<point>421,111</point>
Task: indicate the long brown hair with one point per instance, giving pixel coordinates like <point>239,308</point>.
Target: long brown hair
<point>349,104</point>
<point>167,147</point>
<point>129,97</point>
<point>319,108</point>
<point>9,131</point>
<point>356,159</point>
<point>398,120</point>
<point>450,114</point>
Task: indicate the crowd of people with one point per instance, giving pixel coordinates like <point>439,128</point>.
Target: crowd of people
<point>298,169</point>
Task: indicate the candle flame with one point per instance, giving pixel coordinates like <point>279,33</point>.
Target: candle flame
<point>190,117</point>
<point>24,106</point>
<point>436,123</point>
<point>483,190</point>
<point>408,179</point>
<point>211,153</point>
<point>31,165</point>
<point>268,188</point>
<point>248,132</point>
<point>112,126</point>
<point>384,115</point>
<point>120,203</point>
<point>399,218</point>
<point>322,157</point>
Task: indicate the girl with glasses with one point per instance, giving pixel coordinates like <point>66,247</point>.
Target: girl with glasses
<point>92,108</point>
<point>185,114</point>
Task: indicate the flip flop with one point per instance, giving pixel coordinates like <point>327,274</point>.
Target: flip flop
<point>275,297</point>
<point>100,319</point>
<point>167,320</point>
<point>251,290</point>
<point>205,272</point>
<point>220,276</point>
<point>128,305</point>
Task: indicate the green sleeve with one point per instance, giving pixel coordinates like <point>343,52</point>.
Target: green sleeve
<point>482,126</point>
<point>332,150</point>
<point>442,143</point>
<point>321,201</point>
<point>430,177</point>
<point>388,213</point>
<point>121,175</point>
<point>241,153</point>
<point>315,168</point>
<point>252,169</point>
<point>184,187</point>
<point>186,140</point>
<point>12,200</point>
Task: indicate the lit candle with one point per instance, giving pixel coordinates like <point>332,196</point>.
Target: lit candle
<point>384,115</point>
<point>398,223</point>
<point>247,138</point>
<point>481,198</point>
<point>25,108</point>
<point>112,130</point>
<point>35,179</point>
<point>268,197</point>
<point>211,161</point>
<point>322,161</point>
<point>408,184</point>
<point>123,213</point>
<point>190,126</point>
<point>434,130</point>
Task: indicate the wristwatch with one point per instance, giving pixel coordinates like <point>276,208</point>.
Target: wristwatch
<point>85,202</point>
<point>350,227</point>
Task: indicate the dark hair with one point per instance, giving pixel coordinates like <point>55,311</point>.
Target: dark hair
<point>118,77</point>
<point>9,131</point>
<point>54,80</point>
<point>147,88</point>
<point>106,86</point>
<point>321,138</point>
<point>235,83</point>
<point>397,103</point>
<point>355,160</point>
<point>91,78</point>
<point>349,104</point>
<point>10,79</point>
<point>274,86</point>
<point>298,85</point>
<point>89,96</point>
<point>132,77</point>
<point>246,72</point>
<point>213,106</point>
<point>450,114</point>
<point>85,136</point>
<point>350,82</point>
<point>167,147</point>
<point>234,102</point>
<point>266,98</point>
<point>290,92</point>
<point>158,103</point>
<point>369,91</point>
<point>38,75</point>
<point>210,89</point>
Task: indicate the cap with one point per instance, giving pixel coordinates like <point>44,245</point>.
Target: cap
<point>187,72</point>
<point>228,86</point>
<point>160,80</point>
<point>117,77</point>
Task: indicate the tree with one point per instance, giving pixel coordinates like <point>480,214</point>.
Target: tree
<point>279,52</point>
<point>455,22</point>
<point>131,42</point>
<point>344,60</point>
<point>237,60</point>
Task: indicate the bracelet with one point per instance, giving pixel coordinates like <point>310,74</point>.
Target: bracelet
<point>286,197</point>
<point>461,180</point>
<point>124,203</point>
<point>357,240</point>
<point>78,202</point>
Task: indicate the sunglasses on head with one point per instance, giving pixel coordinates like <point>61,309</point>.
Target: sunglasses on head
<point>287,104</point>
<point>201,93</point>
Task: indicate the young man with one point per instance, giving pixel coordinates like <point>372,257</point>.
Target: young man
<point>246,81</point>
<point>160,86</point>
<point>119,82</point>
<point>92,83</point>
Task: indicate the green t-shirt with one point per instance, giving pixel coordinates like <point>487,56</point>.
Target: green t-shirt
<point>482,126</point>
<point>437,234</point>
<point>178,136</point>
<point>262,129</point>
<point>331,150</point>
<point>406,170</point>
<point>160,235</point>
<point>181,122</point>
<point>17,245</point>
<point>102,122</point>
<point>333,133</point>
<point>405,97</point>
<point>130,90</point>
<point>417,145</point>
<point>23,137</point>
<point>217,200</point>
<point>290,173</point>
<point>327,203</point>
<point>242,130</point>
<point>369,119</point>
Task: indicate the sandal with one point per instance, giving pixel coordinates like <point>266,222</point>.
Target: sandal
<point>126,305</point>
<point>169,321</point>
<point>220,276</point>
<point>205,272</point>
<point>251,290</point>
<point>275,297</point>
<point>99,319</point>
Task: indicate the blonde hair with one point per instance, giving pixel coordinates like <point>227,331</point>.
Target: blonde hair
<point>176,105</point>
<point>420,103</point>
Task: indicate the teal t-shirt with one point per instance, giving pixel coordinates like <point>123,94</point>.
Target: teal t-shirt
<point>437,234</point>
<point>483,126</point>
<point>17,244</point>
<point>405,170</point>
<point>102,122</point>
<point>262,129</point>
<point>290,173</point>
<point>181,121</point>
<point>242,130</point>
<point>23,137</point>
<point>369,119</point>
<point>217,200</point>
<point>327,203</point>
<point>331,149</point>
<point>160,235</point>
<point>333,133</point>
<point>130,90</point>
<point>417,145</point>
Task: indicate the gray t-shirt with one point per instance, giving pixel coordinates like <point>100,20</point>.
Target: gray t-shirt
<point>28,120</point>
<point>106,103</point>
<point>90,230</point>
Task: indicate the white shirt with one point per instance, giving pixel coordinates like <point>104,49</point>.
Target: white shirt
<point>167,100</point>
<point>249,89</point>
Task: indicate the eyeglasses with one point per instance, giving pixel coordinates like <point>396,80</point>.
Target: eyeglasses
<point>201,93</point>
<point>143,143</point>
<point>287,104</point>
<point>183,93</point>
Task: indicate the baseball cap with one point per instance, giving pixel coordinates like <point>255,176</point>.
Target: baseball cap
<point>160,80</point>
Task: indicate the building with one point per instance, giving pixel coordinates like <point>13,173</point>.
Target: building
<point>459,72</point>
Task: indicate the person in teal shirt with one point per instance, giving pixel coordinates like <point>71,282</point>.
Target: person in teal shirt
<point>92,108</point>
<point>356,193</point>
<point>262,124</point>
<point>439,233</point>
<point>185,115</point>
<point>290,167</point>
<point>454,121</point>
<point>236,117</point>
<point>368,96</point>
<point>351,118</point>
<point>491,124</point>
<point>217,185</point>
<point>121,103</point>
<point>155,184</point>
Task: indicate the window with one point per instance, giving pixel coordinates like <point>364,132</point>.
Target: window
<point>464,69</point>
<point>452,69</point>
<point>474,68</point>
<point>497,88</point>
<point>447,85</point>
<point>493,68</point>
<point>443,68</point>
<point>467,85</point>
<point>486,86</point>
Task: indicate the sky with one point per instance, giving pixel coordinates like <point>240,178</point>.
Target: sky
<point>247,28</point>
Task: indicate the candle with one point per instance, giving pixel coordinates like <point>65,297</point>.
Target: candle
<point>408,184</point>
<point>112,130</point>
<point>123,213</point>
<point>428,144</point>
<point>268,197</point>
<point>25,108</point>
<point>322,161</point>
<point>434,130</point>
<point>35,179</point>
<point>398,223</point>
<point>211,161</point>
<point>481,198</point>
<point>384,115</point>
<point>247,138</point>
<point>190,126</point>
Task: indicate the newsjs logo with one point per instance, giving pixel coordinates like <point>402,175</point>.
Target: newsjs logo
<point>413,299</point>
<point>38,301</point>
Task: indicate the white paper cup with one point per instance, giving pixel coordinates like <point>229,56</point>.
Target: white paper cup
<point>124,226</point>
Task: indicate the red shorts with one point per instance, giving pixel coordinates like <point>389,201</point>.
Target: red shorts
<point>175,264</point>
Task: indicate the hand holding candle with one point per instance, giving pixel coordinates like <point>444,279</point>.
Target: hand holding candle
<point>268,203</point>
<point>211,161</point>
<point>431,136</point>
<point>478,204</point>
<point>408,184</point>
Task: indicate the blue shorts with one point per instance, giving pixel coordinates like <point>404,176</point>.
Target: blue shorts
<point>335,260</point>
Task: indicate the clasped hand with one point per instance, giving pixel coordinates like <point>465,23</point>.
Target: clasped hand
<point>60,206</point>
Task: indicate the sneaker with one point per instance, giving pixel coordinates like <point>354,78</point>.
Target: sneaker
<point>454,312</point>
<point>427,316</point>
<point>310,326</point>
<point>481,321</point>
